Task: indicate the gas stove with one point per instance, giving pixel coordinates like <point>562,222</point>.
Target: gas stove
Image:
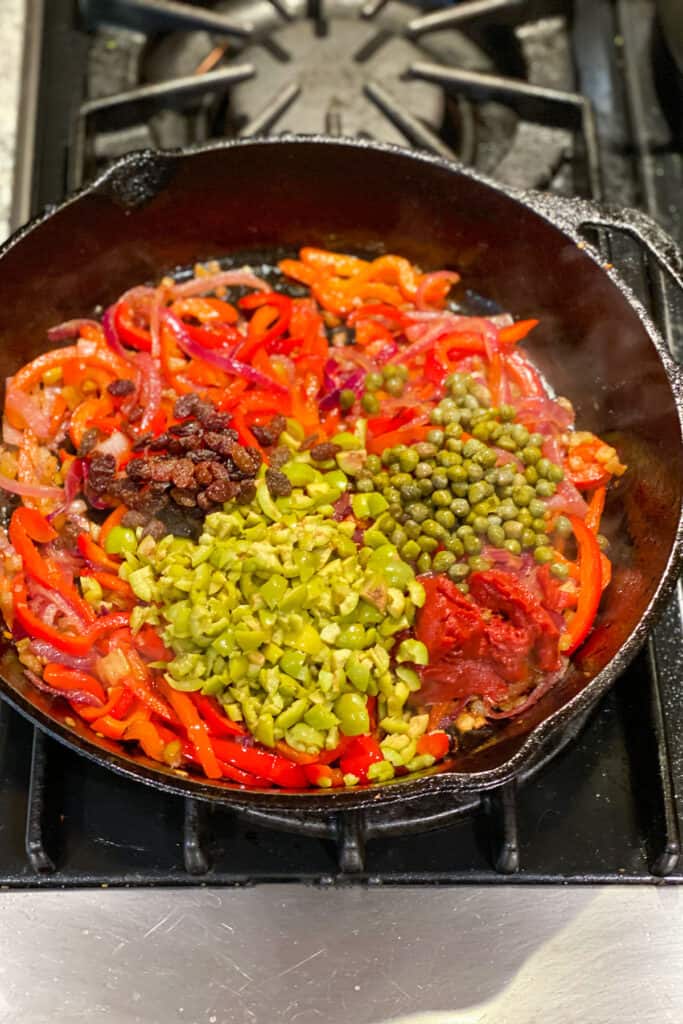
<point>576,97</point>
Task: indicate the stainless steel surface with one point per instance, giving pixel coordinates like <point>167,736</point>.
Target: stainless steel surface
<point>12,14</point>
<point>281,954</point>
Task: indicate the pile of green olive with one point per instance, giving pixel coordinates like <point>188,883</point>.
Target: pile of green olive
<point>449,496</point>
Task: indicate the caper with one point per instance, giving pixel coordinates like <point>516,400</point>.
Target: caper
<point>410,550</point>
<point>537,508</point>
<point>518,480</point>
<point>394,386</point>
<point>426,450</point>
<point>423,470</point>
<point>506,443</point>
<point>436,417</point>
<point>531,475</point>
<point>464,531</point>
<point>478,564</point>
<point>480,524</point>
<point>460,507</point>
<point>418,511</point>
<point>555,473</point>
<point>522,495</point>
<point>373,381</point>
<point>545,488</point>
<point>469,402</point>
<point>456,474</point>
<point>513,546</point>
<point>442,561</point>
<point>474,471</point>
<point>507,413</point>
<point>439,481</point>
<point>496,535</point>
<point>412,528</point>
<point>603,543</point>
<point>426,486</point>
<point>399,537</point>
<point>562,526</point>
<point>537,440</point>
<point>531,454</point>
<point>370,403</point>
<point>471,544</point>
<point>453,431</point>
<point>455,545</point>
<point>424,562</point>
<point>528,538</point>
<point>436,437</point>
<point>411,491</point>
<point>524,517</point>
<point>431,528</point>
<point>481,430</point>
<point>543,554</point>
<point>408,460</point>
<point>447,459</point>
<point>559,570</point>
<point>373,464</point>
<point>542,539</point>
<point>538,524</point>
<point>395,370</point>
<point>441,498</point>
<point>458,571</point>
<point>505,476</point>
<point>507,510</point>
<point>519,434</point>
<point>486,458</point>
<point>477,492</point>
<point>513,529</point>
<point>445,518</point>
<point>543,466</point>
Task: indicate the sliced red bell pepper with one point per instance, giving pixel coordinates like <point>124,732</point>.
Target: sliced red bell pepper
<point>261,763</point>
<point>524,375</point>
<point>409,434</point>
<point>149,738</point>
<point>129,330</point>
<point>590,587</point>
<point>90,713</point>
<point>139,682</point>
<point>67,642</point>
<point>150,645</point>
<point>377,309</point>
<point>266,326</point>
<point>513,333</point>
<point>110,581</point>
<point>196,729</point>
<point>435,743</point>
<point>71,679</point>
<point>206,310</point>
<point>360,753</point>
<point>217,721</point>
<point>94,554</point>
<point>595,509</point>
<point>113,519</point>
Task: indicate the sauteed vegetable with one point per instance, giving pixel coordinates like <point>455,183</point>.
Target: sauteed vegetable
<point>319,530</point>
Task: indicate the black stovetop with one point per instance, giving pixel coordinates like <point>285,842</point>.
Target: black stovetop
<point>579,97</point>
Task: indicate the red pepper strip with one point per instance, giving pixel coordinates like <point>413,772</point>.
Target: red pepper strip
<point>218,723</point>
<point>59,408</point>
<point>405,435</point>
<point>595,509</point>
<point>109,581</point>
<point>114,729</point>
<point>31,374</point>
<point>262,330</point>
<point>140,683</point>
<point>93,553</point>
<point>328,262</point>
<point>435,743</point>
<point>513,333</point>
<point>385,424</point>
<point>377,309</point>
<point>261,762</point>
<point>70,679</point>
<point>149,738</point>
<point>28,525</point>
<point>150,645</point>
<point>298,271</point>
<point>243,778</point>
<point>297,756</point>
<point>361,752</point>
<point>206,310</point>
<point>590,587</point>
<point>123,705</point>
<point>324,776</point>
<point>84,416</point>
<point>197,732</point>
<point>129,331</point>
<point>112,520</point>
<point>524,375</point>
<point>67,642</point>
<point>244,434</point>
<point>90,714</point>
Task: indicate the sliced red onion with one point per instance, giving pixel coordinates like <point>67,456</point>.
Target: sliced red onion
<point>542,411</point>
<point>445,324</point>
<point>111,336</point>
<point>507,458</point>
<point>69,329</point>
<point>222,360</point>
<point>567,499</point>
<point>150,389</point>
<point>204,285</point>
<point>43,649</point>
<point>53,599</point>
<point>74,696</point>
<point>31,490</point>
<point>502,320</point>
<point>74,479</point>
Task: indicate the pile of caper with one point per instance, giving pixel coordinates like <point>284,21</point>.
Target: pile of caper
<point>391,379</point>
<point>448,497</point>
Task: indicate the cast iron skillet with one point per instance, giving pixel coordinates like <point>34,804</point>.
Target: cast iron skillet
<point>152,212</point>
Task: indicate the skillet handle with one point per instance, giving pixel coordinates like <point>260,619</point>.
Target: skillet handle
<point>575,214</point>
